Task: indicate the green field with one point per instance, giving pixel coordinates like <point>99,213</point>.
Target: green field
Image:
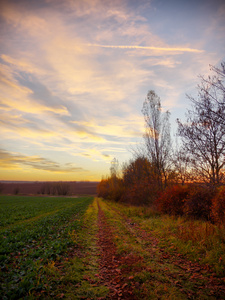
<point>35,234</point>
<point>90,248</point>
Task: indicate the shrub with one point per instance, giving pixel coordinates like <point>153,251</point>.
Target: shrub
<point>218,207</point>
<point>172,200</point>
<point>199,201</point>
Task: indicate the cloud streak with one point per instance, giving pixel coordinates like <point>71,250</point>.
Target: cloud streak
<point>163,49</point>
<point>16,160</point>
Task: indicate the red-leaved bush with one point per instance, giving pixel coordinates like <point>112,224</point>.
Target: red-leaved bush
<point>218,207</point>
<point>199,201</point>
<point>172,200</point>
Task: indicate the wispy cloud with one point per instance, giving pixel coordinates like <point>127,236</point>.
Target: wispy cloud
<point>127,128</point>
<point>164,49</point>
<point>96,155</point>
<point>11,160</point>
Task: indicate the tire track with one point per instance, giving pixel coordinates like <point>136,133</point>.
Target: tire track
<point>111,273</point>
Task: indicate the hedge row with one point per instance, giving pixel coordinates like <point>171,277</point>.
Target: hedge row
<point>195,201</point>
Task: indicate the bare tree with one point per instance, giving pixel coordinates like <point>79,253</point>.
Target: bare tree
<point>213,87</point>
<point>217,81</point>
<point>114,167</point>
<point>181,162</point>
<point>203,134</point>
<point>157,136</point>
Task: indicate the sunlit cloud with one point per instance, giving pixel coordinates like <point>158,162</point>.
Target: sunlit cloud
<point>16,160</point>
<point>164,49</point>
<point>21,64</point>
<point>96,155</point>
<point>123,128</point>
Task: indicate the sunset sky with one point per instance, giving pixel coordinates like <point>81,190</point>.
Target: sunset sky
<point>74,75</point>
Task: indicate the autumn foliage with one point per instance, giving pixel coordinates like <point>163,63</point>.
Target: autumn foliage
<point>198,204</point>
<point>172,200</point>
<point>111,188</point>
<point>218,206</point>
<point>139,180</point>
<point>137,185</point>
<point>196,201</point>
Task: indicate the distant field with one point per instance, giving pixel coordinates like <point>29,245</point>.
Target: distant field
<point>35,231</point>
<point>37,187</point>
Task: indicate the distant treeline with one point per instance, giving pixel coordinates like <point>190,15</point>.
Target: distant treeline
<point>62,188</point>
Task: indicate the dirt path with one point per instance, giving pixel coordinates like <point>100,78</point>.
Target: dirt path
<point>173,271</point>
<point>110,262</point>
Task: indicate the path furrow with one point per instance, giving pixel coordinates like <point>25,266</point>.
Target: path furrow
<point>110,263</point>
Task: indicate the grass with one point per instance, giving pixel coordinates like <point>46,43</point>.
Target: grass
<point>199,240</point>
<point>169,248</point>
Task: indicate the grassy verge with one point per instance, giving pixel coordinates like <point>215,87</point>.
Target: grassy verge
<point>170,250</point>
<point>199,240</point>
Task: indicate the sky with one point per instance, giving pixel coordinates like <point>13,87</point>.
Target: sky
<point>74,75</point>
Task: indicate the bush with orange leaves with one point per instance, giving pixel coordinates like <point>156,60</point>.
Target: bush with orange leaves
<point>199,201</point>
<point>218,207</point>
<point>172,200</point>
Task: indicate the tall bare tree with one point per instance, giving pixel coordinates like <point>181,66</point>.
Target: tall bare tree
<point>203,133</point>
<point>181,166</point>
<point>157,136</point>
<point>114,168</point>
<point>213,87</point>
